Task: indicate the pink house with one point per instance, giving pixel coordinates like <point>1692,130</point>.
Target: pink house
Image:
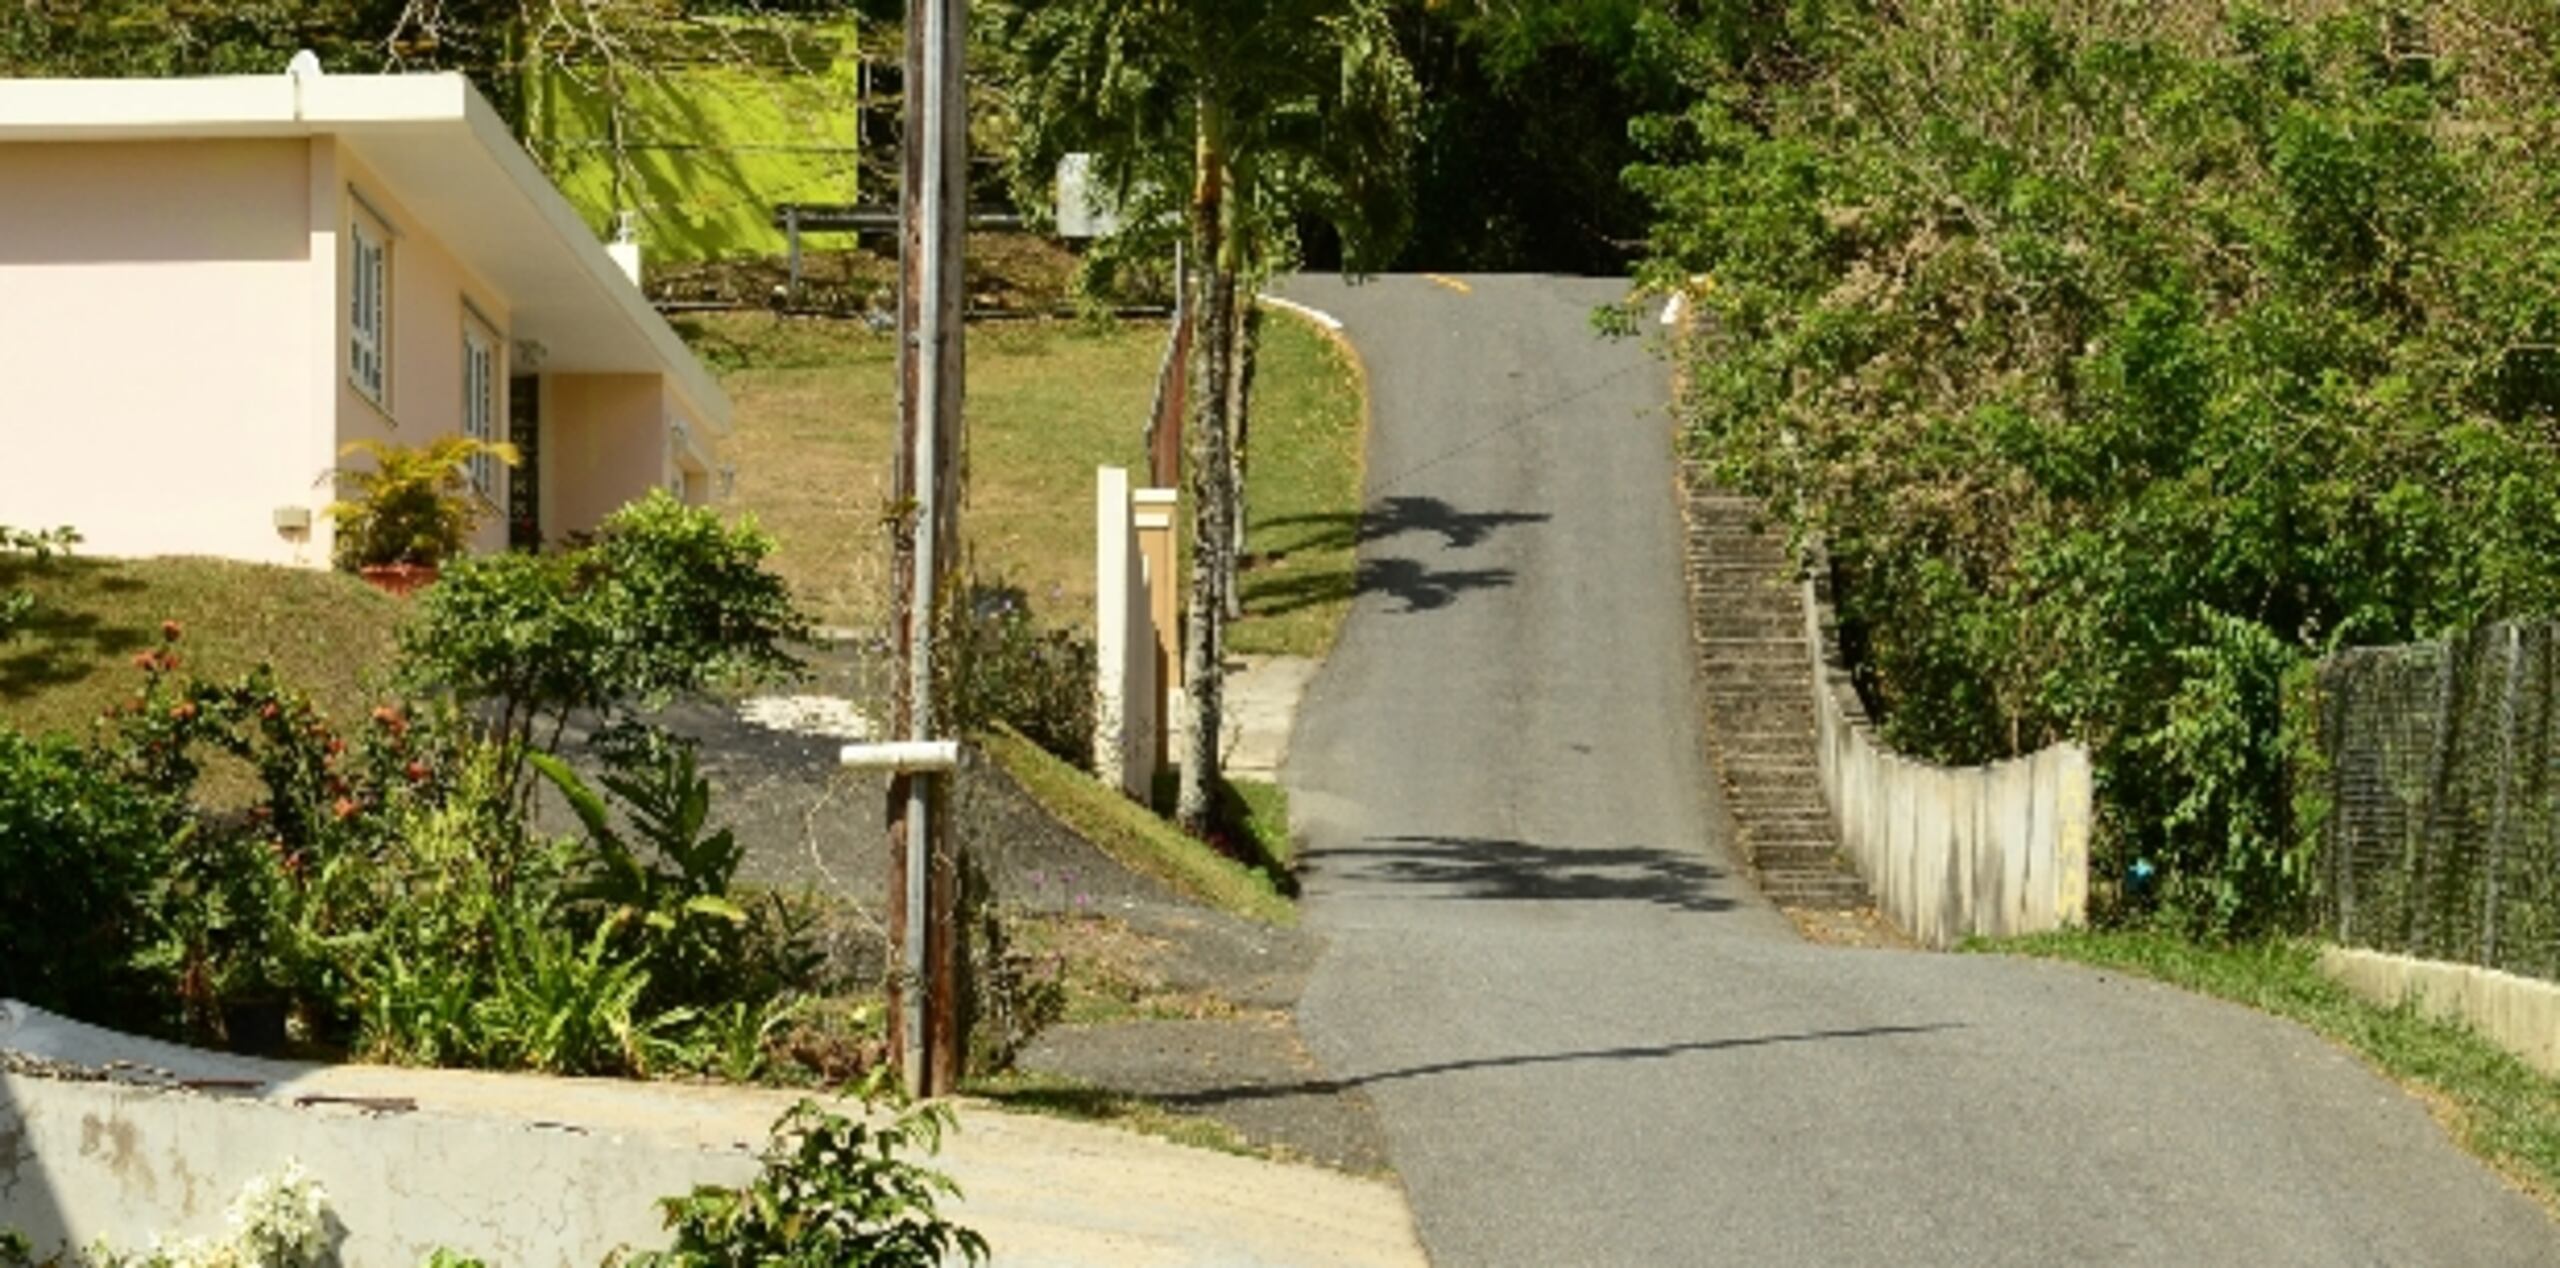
<point>209,287</point>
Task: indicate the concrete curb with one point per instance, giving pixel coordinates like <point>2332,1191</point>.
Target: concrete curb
<point>2519,1014</point>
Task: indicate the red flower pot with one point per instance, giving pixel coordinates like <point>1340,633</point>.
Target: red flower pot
<point>399,580</point>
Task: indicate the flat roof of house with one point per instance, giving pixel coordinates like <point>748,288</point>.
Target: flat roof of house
<point>448,158</point>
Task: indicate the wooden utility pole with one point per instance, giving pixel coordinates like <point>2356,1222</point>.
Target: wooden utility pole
<point>924,873</point>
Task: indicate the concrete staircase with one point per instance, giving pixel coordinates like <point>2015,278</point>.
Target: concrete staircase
<point>1756,672</point>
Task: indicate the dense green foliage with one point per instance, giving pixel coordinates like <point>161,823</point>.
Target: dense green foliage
<point>1002,665</point>
<point>833,1191</point>
<point>386,891</point>
<point>1523,132</point>
<point>2127,356</point>
<point>666,600</point>
<point>96,843</point>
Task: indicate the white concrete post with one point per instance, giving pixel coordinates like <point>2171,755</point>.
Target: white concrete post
<point>1115,576</point>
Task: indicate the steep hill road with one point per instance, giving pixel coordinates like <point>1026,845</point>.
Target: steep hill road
<point>1592,1043</point>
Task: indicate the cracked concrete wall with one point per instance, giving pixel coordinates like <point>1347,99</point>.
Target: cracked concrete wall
<point>83,1160</point>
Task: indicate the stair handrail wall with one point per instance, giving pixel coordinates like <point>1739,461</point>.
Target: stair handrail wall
<point>1948,852</point>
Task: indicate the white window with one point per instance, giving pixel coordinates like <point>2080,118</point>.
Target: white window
<point>369,325</point>
<point>480,403</point>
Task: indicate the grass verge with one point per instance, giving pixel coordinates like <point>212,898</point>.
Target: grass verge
<point>325,632</point>
<point>2495,1105</point>
<point>1133,835</point>
<point>1062,1097</point>
<point>1302,490</point>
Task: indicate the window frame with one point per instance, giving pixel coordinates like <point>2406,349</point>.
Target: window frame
<point>483,403</point>
<point>369,285</point>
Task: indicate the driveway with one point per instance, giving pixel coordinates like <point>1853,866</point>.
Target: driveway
<point>1592,1043</point>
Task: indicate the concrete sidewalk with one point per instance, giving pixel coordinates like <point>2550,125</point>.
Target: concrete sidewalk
<point>1261,709</point>
<point>106,1135</point>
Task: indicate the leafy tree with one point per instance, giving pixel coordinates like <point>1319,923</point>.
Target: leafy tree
<point>2129,357</point>
<point>1524,131</point>
<point>1259,112</point>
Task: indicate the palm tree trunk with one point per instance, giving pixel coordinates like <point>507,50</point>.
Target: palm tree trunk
<point>1214,347</point>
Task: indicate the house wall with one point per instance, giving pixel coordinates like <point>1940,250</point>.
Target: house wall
<point>604,444</point>
<point>430,287</point>
<point>155,328</point>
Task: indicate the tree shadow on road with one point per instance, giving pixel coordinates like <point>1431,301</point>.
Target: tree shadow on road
<point>1420,587</point>
<point>1209,1098</point>
<point>1394,517</point>
<point>1519,871</point>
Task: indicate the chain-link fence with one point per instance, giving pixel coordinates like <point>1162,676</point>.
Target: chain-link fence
<point>2442,839</point>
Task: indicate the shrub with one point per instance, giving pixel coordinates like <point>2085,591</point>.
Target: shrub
<point>415,504</point>
<point>666,893</point>
<point>82,849</point>
<point>666,601</point>
<point>833,1191</point>
<point>280,1221</point>
<point>1000,665</point>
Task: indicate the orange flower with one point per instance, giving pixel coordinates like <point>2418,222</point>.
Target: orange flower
<point>346,808</point>
<point>170,631</point>
<point>183,710</point>
<point>417,772</point>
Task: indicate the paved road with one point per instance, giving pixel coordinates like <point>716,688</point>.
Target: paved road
<point>1591,1043</point>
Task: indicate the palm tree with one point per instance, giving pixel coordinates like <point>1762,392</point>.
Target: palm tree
<point>1263,112</point>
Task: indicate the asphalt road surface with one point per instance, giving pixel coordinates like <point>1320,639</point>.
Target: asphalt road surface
<point>1589,1039</point>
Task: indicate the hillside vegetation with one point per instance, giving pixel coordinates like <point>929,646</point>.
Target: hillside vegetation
<point>2129,357</point>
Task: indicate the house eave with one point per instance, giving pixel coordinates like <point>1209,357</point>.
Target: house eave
<point>448,157</point>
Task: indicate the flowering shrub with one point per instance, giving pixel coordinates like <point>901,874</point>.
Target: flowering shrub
<point>279,1221</point>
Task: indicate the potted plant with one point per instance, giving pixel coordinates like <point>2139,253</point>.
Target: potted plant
<point>411,510</point>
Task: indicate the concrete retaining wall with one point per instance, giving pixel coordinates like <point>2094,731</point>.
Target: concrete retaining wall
<point>2519,1014</point>
<point>1947,851</point>
<point>96,1160</point>
<point>525,1171</point>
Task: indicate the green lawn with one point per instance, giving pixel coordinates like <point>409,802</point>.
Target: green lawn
<point>322,630</point>
<point>817,412</point>
<point>1137,838</point>
<point>1302,493</point>
<point>2498,1107</point>
<point>1048,402</point>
